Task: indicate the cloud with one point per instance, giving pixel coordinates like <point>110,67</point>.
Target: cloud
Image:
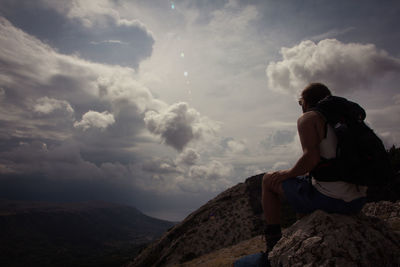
<point>161,166</point>
<point>385,123</point>
<point>178,125</point>
<point>94,30</point>
<point>94,119</point>
<point>281,165</point>
<point>46,105</point>
<point>89,13</point>
<point>211,177</point>
<point>279,138</point>
<point>332,33</point>
<point>36,71</point>
<point>110,42</point>
<point>46,158</point>
<point>2,93</point>
<point>119,89</point>
<point>235,146</point>
<point>106,98</point>
<point>278,124</point>
<point>396,99</point>
<point>212,172</point>
<point>40,79</point>
<point>343,67</point>
<point>100,13</point>
<point>188,156</point>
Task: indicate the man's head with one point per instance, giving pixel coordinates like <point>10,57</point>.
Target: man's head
<point>312,94</point>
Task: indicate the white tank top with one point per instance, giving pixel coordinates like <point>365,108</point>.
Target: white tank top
<point>339,189</point>
<point>327,147</point>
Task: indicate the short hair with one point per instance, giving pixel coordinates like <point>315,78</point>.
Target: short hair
<point>314,92</point>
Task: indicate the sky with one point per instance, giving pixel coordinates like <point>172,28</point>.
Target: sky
<point>164,104</point>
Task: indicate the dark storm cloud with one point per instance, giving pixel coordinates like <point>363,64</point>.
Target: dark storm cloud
<point>40,187</point>
<point>178,125</point>
<point>111,42</point>
<point>36,170</point>
<point>44,95</point>
<point>75,129</point>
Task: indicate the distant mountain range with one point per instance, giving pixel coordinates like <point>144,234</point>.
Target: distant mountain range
<point>73,234</point>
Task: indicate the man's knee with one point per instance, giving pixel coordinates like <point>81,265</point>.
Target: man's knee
<point>269,186</point>
<point>266,181</point>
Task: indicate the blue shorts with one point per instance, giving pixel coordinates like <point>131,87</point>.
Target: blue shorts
<point>304,198</point>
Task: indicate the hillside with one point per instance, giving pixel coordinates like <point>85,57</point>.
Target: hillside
<point>73,234</point>
<point>233,216</point>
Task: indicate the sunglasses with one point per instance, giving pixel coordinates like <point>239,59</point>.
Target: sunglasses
<point>301,101</point>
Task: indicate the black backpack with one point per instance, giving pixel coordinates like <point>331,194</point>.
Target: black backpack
<point>361,157</point>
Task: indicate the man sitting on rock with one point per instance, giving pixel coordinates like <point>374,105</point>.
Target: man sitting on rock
<point>304,193</point>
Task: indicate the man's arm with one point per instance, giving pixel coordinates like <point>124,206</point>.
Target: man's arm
<point>310,139</point>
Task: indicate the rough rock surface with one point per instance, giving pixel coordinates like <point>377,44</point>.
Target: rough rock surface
<point>323,239</point>
<point>385,210</point>
<point>224,221</point>
<point>235,215</point>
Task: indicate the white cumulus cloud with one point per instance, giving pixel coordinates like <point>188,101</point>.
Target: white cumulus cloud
<point>343,67</point>
<point>94,119</point>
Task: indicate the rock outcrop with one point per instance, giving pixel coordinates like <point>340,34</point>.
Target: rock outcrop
<point>223,221</point>
<point>235,215</point>
<point>387,211</point>
<point>323,239</point>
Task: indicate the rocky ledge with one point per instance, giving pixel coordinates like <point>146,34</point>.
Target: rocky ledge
<point>319,239</point>
<point>322,239</point>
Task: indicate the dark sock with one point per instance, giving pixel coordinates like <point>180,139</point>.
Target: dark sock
<point>272,234</point>
<point>263,261</point>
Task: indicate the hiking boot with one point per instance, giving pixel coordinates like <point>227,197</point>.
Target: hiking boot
<point>263,261</point>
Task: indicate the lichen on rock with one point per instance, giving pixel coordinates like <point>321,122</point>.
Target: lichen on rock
<point>323,239</point>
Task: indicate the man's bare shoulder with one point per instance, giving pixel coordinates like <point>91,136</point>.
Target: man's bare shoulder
<point>311,121</point>
<point>309,117</point>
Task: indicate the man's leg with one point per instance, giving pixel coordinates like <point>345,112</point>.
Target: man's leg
<point>271,203</point>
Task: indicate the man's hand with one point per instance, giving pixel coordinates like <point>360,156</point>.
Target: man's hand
<point>278,177</point>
